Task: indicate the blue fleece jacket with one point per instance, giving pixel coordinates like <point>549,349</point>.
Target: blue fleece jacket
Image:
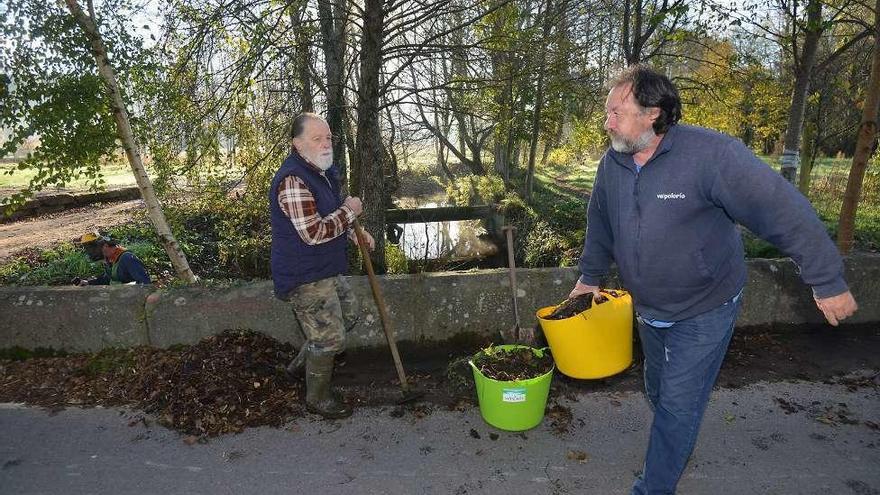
<point>672,227</point>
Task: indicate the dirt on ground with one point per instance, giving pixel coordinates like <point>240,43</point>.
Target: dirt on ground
<point>235,380</point>
<point>48,230</point>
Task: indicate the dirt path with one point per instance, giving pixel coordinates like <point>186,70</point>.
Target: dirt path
<point>564,184</point>
<point>48,230</point>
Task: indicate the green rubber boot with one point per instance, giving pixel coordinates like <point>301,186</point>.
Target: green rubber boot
<point>320,398</point>
<point>295,368</point>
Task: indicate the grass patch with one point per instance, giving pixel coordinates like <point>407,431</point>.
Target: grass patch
<point>108,360</point>
<point>17,353</point>
<point>114,175</point>
<point>826,195</point>
<point>574,176</point>
<point>55,266</point>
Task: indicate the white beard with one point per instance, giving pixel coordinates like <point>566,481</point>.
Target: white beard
<point>631,147</point>
<point>321,161</point>
<point>324,161</point>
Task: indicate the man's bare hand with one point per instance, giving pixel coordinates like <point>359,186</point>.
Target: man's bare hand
<point>580,288</point>
<point>354,204</point>
<point>371,243</point>
<point>837,308</point>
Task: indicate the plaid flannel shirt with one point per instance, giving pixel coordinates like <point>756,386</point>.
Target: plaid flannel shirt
<point>298,203</point>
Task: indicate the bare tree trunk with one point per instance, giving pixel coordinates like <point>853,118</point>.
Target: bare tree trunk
<point>443,127</point>
<point>120,114</point>
<point>370,151</point>
<point>807,154</point>
<point>303,59</point>
<point>353,174</point>
<point>459,153</point>
<point>505,118</point>
<point>867,139</point>
<point>803,72</point>
<point>333,15</point>
<point>539,102</point>
<point>625,35</point>
<point>510,161</point>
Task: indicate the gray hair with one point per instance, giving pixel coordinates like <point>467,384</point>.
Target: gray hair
<point>299,123</point>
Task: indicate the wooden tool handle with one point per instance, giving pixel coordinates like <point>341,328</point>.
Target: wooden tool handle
<point>512,264</point>
<point>380,303</point>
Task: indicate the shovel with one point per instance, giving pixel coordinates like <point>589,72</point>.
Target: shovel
<point>409,395</point>
<point>517,333</point>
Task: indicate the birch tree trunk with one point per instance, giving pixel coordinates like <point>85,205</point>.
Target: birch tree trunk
<point>108,75</point>
<point>867,138</point>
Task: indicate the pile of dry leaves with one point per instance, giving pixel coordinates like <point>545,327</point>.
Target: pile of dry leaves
<point>222,384</point>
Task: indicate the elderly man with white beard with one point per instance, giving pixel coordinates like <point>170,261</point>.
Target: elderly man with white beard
<point>310,224</point>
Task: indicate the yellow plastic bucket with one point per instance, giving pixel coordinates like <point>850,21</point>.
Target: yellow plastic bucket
<point>595,343</point>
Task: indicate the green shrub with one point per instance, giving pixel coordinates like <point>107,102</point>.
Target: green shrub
<point>55,266</point>
<point>17,353</point>
<point>756,247</point>
<point>395,259</point>
<point>108,360</point>
<point>471,189</point>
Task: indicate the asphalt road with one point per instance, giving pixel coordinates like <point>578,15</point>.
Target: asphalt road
<point>765,438</point>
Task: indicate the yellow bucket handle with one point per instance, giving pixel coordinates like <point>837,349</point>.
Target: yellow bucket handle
<point>618,293</point>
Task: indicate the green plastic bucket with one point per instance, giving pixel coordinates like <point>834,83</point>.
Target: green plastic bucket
<point>512,405</point>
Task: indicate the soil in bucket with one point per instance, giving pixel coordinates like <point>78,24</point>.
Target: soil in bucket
<point>590,343</point>
<point>578,304</point>
<point>512,385</point>
<point>519,363</point>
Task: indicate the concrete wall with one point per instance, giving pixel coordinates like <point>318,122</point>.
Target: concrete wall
<point>424,308</point>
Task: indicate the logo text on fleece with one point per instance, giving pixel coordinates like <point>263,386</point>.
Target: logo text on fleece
<point>671,196</point>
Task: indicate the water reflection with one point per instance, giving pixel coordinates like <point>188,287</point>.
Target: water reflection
<point>445,240</point>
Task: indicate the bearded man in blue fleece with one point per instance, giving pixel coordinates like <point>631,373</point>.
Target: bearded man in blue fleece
<point>664,208</point>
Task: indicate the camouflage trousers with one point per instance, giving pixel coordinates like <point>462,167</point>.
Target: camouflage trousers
<point>326,311</point>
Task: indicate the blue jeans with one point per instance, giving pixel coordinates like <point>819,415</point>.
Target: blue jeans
<point>681,365</point>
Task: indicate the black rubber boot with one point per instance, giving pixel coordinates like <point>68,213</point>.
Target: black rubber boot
<point>320,398</point>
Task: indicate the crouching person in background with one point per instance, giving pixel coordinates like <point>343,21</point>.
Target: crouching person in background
<point>120,266</point>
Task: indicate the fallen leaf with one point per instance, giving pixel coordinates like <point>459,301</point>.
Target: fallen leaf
<point>578,455</point>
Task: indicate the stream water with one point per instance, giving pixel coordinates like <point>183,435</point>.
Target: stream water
<point>445,240</point>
